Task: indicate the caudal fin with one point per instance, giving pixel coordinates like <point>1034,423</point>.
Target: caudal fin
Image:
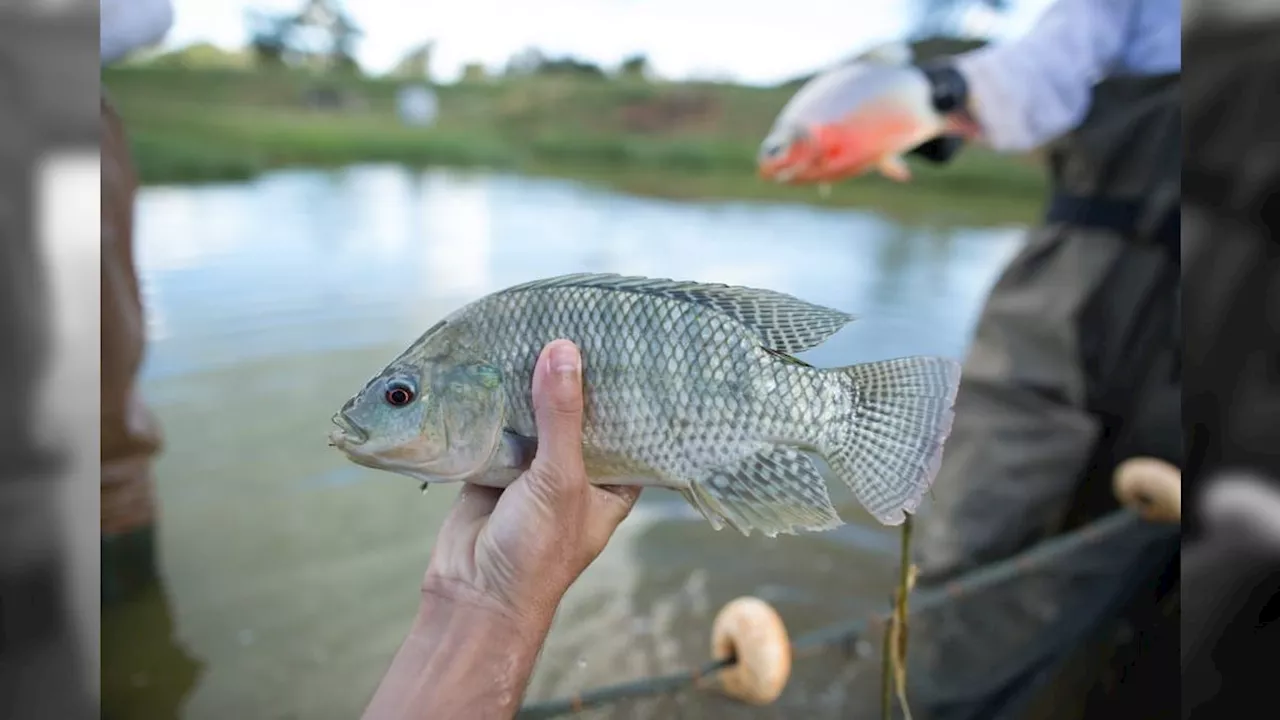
<point>889,445</point>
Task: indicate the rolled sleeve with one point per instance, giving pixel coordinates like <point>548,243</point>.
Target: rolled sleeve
<point>1031,90</point>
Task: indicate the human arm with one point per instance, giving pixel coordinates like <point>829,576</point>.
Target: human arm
<point>501,563</point>
<point>464,657</point>
<point>1032,89</point>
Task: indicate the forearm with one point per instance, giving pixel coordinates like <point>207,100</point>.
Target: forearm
<point>460,660</point>
<point>1028,91</point>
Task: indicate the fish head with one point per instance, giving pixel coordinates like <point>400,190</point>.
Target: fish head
<point>438,419</point>
<point>787,153</point>
<point>795,146</point>
<point>818,154</point>
<point>848,121</point>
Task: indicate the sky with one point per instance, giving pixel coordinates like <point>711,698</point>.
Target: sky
<point>753,42</point>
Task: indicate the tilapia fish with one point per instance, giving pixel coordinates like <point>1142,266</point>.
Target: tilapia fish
<point>687,386</point>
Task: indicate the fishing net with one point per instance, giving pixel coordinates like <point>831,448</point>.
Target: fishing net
<point>1006,631</point>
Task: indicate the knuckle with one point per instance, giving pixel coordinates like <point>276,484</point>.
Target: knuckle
<point>553,480</point>
<point>544,489</point>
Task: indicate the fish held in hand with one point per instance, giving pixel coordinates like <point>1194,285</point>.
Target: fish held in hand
<point>859,116</point>
<point>687,386</point>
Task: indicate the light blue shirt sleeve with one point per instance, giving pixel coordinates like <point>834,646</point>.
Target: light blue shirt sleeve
<point>1028,91</point>
<point>127,25</point>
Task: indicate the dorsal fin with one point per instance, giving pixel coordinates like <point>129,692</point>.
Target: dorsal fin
<point>784,323</point>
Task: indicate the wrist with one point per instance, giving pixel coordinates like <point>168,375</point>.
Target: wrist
<point>445,598</point>
<point>480,644</point>
<point>949,95</point>
<point>529,610</point>
<point>466,656</point>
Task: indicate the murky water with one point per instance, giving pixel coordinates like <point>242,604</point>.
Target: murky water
<point>291,575</point>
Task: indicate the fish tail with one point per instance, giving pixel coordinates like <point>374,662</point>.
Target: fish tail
<point>888,447</point>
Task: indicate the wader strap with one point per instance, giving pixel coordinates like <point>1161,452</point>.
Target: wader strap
<point>1124,217</point>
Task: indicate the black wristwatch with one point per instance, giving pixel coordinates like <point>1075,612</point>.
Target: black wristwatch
<point>950,94</point>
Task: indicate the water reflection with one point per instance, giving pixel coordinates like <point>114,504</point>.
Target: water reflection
<point>292,574</point>
<point>459,216</point>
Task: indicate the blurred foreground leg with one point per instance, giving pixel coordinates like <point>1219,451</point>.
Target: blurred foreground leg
<point>40,660</point>
<point>130,436</point>
<point>145,672</point>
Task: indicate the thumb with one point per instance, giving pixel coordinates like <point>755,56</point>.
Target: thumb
<point>557,407</point>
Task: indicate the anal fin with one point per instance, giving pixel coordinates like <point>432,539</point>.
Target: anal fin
<point>776,490</point>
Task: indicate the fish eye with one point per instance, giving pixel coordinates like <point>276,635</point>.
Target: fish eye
<point>399,393</point>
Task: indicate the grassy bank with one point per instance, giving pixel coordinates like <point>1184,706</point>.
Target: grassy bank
<point>687,140</point>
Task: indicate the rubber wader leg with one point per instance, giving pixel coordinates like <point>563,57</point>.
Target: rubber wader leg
<point>1021,435</point>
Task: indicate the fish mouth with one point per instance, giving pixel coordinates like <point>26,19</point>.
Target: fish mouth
<point>348,433</point>
<point>779,173</point>
<point>775,171</point>
<point>786,174</point>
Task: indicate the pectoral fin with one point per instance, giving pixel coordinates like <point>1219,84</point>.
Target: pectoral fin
<point>895,168</point>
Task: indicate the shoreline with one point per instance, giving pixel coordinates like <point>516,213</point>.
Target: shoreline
<point>192,126</point>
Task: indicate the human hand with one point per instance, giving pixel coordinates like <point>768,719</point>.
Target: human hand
<point>517,550</point>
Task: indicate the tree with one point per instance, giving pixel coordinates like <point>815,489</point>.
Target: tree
<point>345,34</point>
<point>268,36</point>
<point>319,34</point>
<point>532,61</point>
<point>569,65</point>
<point>525,62</point>
<point>416,63</point>
<point>634,66</point>
<point>474,72</point>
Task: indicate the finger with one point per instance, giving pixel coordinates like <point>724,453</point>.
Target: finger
<point>557,404</point>
<point>473,505</point>
<point>609,506</point>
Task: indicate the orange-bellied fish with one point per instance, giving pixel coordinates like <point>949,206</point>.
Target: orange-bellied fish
<point>859,116</point>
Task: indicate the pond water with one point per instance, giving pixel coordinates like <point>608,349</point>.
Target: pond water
<point>291,575</point>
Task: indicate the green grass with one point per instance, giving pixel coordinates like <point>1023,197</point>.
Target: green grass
<point>678,140</point>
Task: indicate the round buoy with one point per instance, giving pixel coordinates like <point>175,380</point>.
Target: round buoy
<point>750,630</point>
<point>1150,487</point>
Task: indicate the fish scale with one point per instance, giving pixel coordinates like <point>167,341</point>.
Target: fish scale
<point>687,386</point>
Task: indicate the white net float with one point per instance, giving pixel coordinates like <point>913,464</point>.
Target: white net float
<point>750,630</point>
